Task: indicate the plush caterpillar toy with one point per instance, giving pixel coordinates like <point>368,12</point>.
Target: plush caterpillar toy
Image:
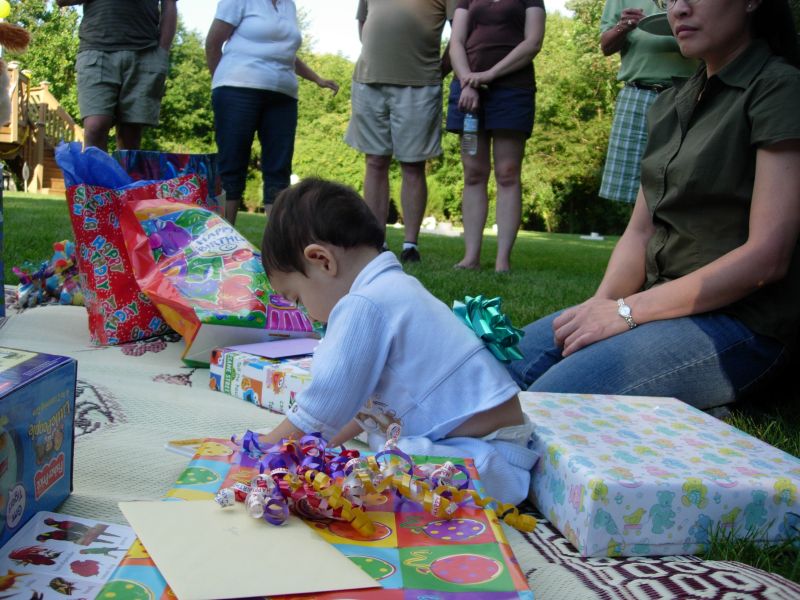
<point>14,38</point>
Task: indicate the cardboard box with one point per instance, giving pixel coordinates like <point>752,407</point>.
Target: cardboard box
<point>271,383</point>
<point>37,413</point>
<point>635,476</point>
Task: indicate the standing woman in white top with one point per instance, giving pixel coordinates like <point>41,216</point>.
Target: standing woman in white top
<point>251,51</point>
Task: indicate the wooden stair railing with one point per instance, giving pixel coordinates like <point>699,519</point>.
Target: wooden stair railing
<point>38,123</point>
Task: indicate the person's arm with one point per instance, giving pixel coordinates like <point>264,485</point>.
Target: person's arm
<point>469,99</point>
<point>218,34</point>
<point>763,259</point>
<point>346,369</point>
<point>521,55</point>
<point>458,39</point>
<point>612,40</point>
<point>306,72</point>
<point>168,23</point>
<point>286,429</point>
<point>348,432</point>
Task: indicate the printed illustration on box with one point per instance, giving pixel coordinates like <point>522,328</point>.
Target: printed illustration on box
<point>203,274</point>
<point>410,552</point>
<point>634,476</point>
<point>57,554</point>
<point>269,383</point>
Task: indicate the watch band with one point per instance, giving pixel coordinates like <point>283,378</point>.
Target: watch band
<point>624,311</point>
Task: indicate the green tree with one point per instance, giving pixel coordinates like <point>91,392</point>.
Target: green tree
<point>54,45</point>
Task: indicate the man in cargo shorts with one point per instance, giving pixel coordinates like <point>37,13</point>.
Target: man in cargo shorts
<point>122,64</point>
<point>397,103</point>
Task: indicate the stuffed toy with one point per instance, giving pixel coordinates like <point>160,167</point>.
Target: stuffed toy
<point>14,38</point>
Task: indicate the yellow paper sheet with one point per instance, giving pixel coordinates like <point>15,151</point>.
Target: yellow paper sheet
<point>207,552</point>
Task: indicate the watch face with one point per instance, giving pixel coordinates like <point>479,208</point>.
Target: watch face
<point>625,310</point>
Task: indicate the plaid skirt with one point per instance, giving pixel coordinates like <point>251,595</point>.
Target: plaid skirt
<point>626,145</point>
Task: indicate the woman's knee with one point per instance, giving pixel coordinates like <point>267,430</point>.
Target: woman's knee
<point>507,174</point>
<point>476,174</point>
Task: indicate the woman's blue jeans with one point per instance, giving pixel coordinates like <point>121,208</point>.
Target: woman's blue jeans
<point>705,360</point>
<point>240,113</point>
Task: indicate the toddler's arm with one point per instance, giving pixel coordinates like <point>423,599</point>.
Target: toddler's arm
<point>286,429</point>
<point>348,432</point>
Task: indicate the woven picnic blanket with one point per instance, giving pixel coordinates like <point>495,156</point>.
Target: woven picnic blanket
<point>133,399</point>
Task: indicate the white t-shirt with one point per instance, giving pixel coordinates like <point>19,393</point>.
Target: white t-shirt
<point>261,52</point>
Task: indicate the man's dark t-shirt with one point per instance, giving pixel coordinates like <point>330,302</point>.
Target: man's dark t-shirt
<point>112,25</point>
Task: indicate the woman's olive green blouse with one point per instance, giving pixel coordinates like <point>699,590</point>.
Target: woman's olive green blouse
<point>698,172</point>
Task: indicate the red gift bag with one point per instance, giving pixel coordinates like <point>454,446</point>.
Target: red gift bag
<point>119,311</point>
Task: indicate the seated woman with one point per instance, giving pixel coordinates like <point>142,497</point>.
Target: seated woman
<point>701,296</point>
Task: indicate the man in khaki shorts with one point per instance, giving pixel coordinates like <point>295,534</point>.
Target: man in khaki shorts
<point>122,64</point>
<point>397,103</point>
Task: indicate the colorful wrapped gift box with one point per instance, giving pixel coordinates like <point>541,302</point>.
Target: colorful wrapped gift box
<point>635,476</point>
<point>411,554</point>
<point>151,165</point>
<point>269,383</point>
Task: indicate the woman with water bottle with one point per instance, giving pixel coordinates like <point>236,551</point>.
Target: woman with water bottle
<point>492,102</point>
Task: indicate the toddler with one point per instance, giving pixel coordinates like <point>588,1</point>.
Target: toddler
<point>392,353</point>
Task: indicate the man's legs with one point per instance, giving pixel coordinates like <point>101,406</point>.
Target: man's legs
<point>413,198</point>
<point>129,136</point>
<point>95,131</point>
<point>376,186</point>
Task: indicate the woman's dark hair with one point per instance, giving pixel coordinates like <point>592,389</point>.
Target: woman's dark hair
<point>316,211</point>
<point>774,22</point>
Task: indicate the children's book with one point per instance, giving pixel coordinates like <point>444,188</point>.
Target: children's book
<point>56,556</point>
<point>411,554</point>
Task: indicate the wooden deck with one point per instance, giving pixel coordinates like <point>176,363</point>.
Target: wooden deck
<point>38,123</point>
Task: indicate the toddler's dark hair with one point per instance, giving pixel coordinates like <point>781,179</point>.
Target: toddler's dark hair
<point>316,211</point>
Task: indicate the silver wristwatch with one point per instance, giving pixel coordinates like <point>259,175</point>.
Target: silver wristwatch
<point>624,311</point>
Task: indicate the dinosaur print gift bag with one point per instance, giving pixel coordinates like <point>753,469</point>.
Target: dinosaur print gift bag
<point>636,476</point>
<point>205,278</point>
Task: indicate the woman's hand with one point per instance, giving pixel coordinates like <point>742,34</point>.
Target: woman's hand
<point>330,84</point>
<point>629,18</point>
<point>589,322</point>
<point>476,80</point>
<point>469,100</point>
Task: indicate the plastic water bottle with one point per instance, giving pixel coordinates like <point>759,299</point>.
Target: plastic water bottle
<point>469,136</point>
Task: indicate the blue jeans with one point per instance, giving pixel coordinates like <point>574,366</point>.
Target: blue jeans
<point>705,360</point>
<point>240,113</point>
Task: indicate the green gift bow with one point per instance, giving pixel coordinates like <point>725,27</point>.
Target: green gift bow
<point>483,316</point>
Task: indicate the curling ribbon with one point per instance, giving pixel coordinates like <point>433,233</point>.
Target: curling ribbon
<point>483,316</point>
<point>304,476</point>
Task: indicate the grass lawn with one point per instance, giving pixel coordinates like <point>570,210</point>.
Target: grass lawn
<point>550,271</point>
